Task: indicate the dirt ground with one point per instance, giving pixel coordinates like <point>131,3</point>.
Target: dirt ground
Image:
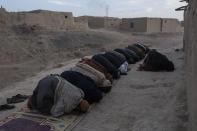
<point>25,51</point>
<point>140,101</point>
<point>143,101</point>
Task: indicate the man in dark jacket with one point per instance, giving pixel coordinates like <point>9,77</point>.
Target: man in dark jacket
<point>156,61</point>
<point>140,46</point>
<point>56,96</point>
<point>122,67</point>
<point>112,59</point>
<point>43,95</point>
<point>91,91</point>
<point>137,50</point>
<point>119,56</point>
<point>108,65</point>
<point>128,57</point>
<point>143,47</point>
<point>133,54</point>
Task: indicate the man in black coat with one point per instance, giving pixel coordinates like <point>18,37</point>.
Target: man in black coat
<point>47,98</point>
<point>43,95</point>
<point>137,50</point>
<point>91,91</point>
<point>108,65</point>
<point>156,61</point>
<point>112,59</point>
<point>128,57</point>
<point>143,47</point>
<point>133,54</point>
<point>119,56</point>
<point>122,67</point>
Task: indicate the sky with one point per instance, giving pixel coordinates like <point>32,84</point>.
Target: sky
<point>116,8</point>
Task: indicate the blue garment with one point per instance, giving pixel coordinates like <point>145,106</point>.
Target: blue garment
<point>92,93</point>
<point>123,67</point>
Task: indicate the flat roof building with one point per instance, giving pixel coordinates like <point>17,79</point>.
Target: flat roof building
<point>103,22</point>
<point>150,25</point>
<point>42,18</point>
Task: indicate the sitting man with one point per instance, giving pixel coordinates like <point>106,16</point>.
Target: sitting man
<point>56,96</point>
<point>156,61</point>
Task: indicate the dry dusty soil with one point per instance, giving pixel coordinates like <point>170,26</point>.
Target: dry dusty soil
<point>140,101</point>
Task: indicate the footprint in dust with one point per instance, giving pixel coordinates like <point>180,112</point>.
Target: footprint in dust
<point>141,87</point>
<point>169,84</point>
<point>154,80</point>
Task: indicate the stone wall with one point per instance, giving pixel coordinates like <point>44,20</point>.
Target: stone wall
<point>43,18</point>
<point>190,47</point>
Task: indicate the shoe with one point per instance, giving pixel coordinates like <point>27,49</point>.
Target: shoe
<point>6,107</point>
<point>14,100</point>
<point>22,96</point>
<point>106,89</point>
<point>17,99</point>
<point>123,73</point>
